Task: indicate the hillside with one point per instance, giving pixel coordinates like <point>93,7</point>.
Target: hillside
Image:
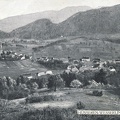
<point>78,47</point>
<point>4,34</point>
<point>11,23</point>
<point>40,29</point>
<point>102,21</point>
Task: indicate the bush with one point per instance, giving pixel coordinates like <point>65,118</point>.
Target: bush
<point>114,79</point>
<point>3,102</point>
<point>85,76</point>
<point>17,95</point>
<point>76,84</point>
<point>97,93</point>
<point>37,98</point>
<point>24,113</point>
<point>48,98</point>
<point>42,81</point>
<point>80,105</point>
<point>50,114</point>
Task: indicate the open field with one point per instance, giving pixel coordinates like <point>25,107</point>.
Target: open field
<point>77,47</point>
<point>16,68</point>
<point>104,47</point>
<point>71,97</point>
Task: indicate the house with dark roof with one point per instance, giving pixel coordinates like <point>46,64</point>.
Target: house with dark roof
<point>85,59</point>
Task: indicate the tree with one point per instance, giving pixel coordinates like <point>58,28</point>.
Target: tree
<point>42,81</point>
<point>54,82</point>
<point>59,83</point>
<point>76,84</point>
<point>35,86</point>
<point>3,88</point>
<point>32,85</point>
<point>68,78</point>
<point>100,77</point>
<point>11,83</point>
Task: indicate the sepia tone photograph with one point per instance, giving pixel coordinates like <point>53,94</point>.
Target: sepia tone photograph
<point>59,59</point>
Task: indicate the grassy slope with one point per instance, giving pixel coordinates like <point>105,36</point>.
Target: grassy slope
<point>69,97</point>
<point>83,46</point>
<point>106,102</point>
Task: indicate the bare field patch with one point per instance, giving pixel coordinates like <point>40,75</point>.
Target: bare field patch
<point>61,104</point>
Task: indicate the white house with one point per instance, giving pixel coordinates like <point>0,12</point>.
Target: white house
<point>85,59</point>
<point>49,73</point>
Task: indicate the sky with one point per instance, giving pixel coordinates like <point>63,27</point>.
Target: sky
<point>19,7</point>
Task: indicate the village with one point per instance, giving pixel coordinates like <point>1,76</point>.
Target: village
<point>75,72</point>
<point>65,65</point>
<point>50,65</point>
<point>59,60</point>
<point>67,81</point>
<point>47,82</point>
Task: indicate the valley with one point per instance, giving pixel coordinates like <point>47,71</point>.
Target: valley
<point>54,63</point>
<point>74,47</point>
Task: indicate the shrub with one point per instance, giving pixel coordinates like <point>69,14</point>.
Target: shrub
<point>50,114</point>
<point>48,98</point>
<point>114,79</point>
<point>80,105</point>
<point>42,81</point>
<point>37,98</point>
<point>17,94</point>
<point>76,84</point>
<point>3,102</point>
<point>32,85</point>
<point>97,93</point>
<point>24,113</point>
<point>85,77</point>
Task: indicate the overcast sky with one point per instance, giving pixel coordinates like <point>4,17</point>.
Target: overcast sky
<point>18,7</point>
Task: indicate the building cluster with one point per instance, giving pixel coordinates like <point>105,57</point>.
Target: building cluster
<point>51,62</point>
<point>36,75</point>
<point>12,56</point>
<point>49,59</point>
<point>85,63</point>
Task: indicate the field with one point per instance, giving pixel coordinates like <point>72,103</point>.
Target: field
<point>104,47</point>
<point>69,97</point>
<point>65,98</point>
<point>16,68</point>
<point>77,47</point>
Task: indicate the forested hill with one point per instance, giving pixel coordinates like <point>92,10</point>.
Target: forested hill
<point>104,20</point>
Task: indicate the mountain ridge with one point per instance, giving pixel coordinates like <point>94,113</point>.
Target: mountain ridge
<point>104,20</point>
<point>14,22</point>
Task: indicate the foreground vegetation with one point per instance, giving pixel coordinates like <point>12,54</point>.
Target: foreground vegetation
<point>23,87</point>
<point>20,112</point>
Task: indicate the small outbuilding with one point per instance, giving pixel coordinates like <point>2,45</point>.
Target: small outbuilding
<point>85,59</point>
